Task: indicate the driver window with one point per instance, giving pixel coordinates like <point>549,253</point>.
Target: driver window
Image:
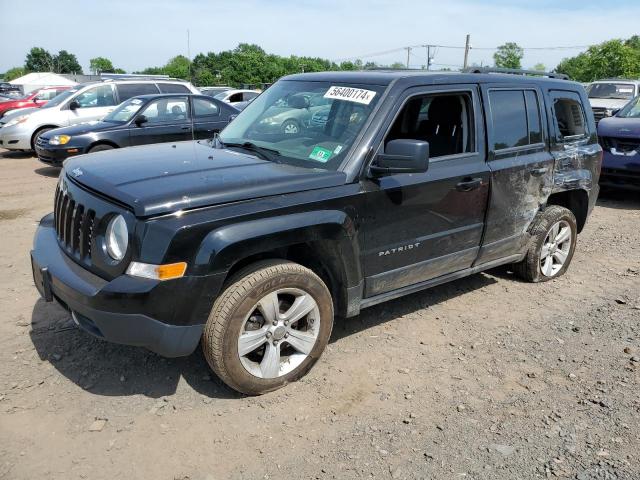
<point>100,96</point>
<point>443,120</point>
<point>165,110</point>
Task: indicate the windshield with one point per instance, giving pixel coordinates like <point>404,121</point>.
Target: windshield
<point>308,124</point>
<point>125,111</point>
<point>58,99</point>
<point>620,91</point>
<point>631,109</point>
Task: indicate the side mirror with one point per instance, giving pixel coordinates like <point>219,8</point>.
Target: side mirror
<point>74,105</point>
<point>35,99</point>
<point>232,117</point>
<point>298,101</point>
<point>402,156</point>
<point>140,119</point>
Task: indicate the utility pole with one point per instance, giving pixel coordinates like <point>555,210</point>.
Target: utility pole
<point>429,57</point>
<point>408,55</point>
<point>467,47</point>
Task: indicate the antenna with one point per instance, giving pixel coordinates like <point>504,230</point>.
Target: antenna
<point>189,55</point>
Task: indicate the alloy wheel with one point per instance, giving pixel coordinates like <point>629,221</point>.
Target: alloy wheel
<point>555,249</point>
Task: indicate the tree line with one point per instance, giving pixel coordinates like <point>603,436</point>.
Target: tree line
<point>250,64</point>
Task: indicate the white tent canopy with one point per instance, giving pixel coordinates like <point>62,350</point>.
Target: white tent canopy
<point>36,80</point>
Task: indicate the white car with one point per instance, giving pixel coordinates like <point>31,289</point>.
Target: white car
<point>237,96</point>
<point>609,96</point>
<point>84,103</point>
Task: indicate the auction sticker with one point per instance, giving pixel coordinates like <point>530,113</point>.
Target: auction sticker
<point>358,95</point>
<point>320,154</point>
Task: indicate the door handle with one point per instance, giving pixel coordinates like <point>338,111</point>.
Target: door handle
<point>468,185</point>
<point>538,172</point>
<point>185,128</point>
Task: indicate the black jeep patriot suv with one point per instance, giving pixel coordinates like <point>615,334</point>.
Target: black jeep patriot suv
<point>251,243</point>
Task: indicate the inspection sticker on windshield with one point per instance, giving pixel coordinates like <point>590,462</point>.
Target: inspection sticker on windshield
<point>349,94</point>
<point>320,154</point>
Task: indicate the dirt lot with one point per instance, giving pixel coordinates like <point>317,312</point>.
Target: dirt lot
<point>486,377</point>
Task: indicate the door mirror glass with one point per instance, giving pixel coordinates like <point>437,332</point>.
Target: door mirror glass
<point>402,156</point>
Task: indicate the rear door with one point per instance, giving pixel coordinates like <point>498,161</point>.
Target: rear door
<point>209,117</point>
<point>168,120</point>
<point>521,166</point>
<point>425,225</point>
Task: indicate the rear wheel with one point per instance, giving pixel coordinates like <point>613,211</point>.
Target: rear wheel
<point>100,148</point>
<point>554,234</point>
<point>269,327</point>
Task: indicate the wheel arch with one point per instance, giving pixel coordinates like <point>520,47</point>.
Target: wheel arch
<point>321,241</point>
<point>102,142</point>
<point>39,129</point>
<point>576,200</point>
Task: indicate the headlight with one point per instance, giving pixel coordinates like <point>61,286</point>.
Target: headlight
<point>117,238</point>
<point>59,140</point>
<point>16,121</point>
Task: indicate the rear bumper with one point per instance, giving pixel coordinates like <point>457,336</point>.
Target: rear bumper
<point>119,311</point>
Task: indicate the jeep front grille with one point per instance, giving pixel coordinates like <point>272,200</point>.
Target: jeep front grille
<point>74,225</point>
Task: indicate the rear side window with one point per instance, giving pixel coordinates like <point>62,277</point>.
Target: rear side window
<point>515,115</point>
<point>173,88</point>
<point>130,90</point>
<point>569,114</point>
<point>204,109</point>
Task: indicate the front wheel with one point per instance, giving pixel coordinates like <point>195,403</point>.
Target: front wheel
<point>553,241</point>
<point>269,326</point>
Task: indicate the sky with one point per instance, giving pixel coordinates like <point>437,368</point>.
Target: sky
<point>136,34</point>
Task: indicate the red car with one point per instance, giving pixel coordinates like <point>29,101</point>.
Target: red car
<point>37,98</point>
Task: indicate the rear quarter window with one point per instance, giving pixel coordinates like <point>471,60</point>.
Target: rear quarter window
<point>569,115</point>
<point>173,88</point>
<point>515,118</point>
<point>130,90</point>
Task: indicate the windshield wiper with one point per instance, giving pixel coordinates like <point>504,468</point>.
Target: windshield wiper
<point>264,152</point>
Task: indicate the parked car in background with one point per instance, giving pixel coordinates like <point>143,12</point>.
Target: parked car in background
<point>6,87</point>
<point>139,121</point>
<point>35,99</point>
<point>83,103</point>
<point>609,96</point>
<point>236,96</point>
<point>213,91</point>
<point>620,139</point>
<point>7,117</point>
<point>293,114</point>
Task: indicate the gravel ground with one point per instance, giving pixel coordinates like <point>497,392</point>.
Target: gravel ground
<point>484,378</point>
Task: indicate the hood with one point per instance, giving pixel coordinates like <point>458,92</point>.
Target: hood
<point>612,103</point>
<point>164,178</point>
<point>619,127</point>
<point>82,128</point>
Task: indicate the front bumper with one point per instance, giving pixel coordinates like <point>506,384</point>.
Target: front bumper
<point>118,311</point>
<point>620,171</point>
<point>14,138</point>
<point>54,156</point>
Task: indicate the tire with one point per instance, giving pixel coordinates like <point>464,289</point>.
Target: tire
<point>545,248</point>
<point>291,127</point>
<point>36,136</point>
<point>237,313</point>
<point>100,148</point>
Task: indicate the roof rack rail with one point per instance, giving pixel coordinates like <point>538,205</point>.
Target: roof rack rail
<point>515,71</point>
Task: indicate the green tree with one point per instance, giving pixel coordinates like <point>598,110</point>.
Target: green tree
<point>508,55</point>
<point>100,65</point>
<point>539,67</point>
<point>38,60</point>
<point>65,62</point>
<point>614,58</point>
<point>178,67</point>
<point>13,73</point>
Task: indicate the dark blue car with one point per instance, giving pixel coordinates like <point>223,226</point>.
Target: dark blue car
<point>620,139</point>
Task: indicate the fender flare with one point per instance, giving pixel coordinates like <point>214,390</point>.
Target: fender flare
<point>225,246</point>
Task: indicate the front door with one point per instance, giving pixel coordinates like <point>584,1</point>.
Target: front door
<point>421,226</point>
<point>167,120</point>
<point>92,104</point>
<point>521,166</point>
